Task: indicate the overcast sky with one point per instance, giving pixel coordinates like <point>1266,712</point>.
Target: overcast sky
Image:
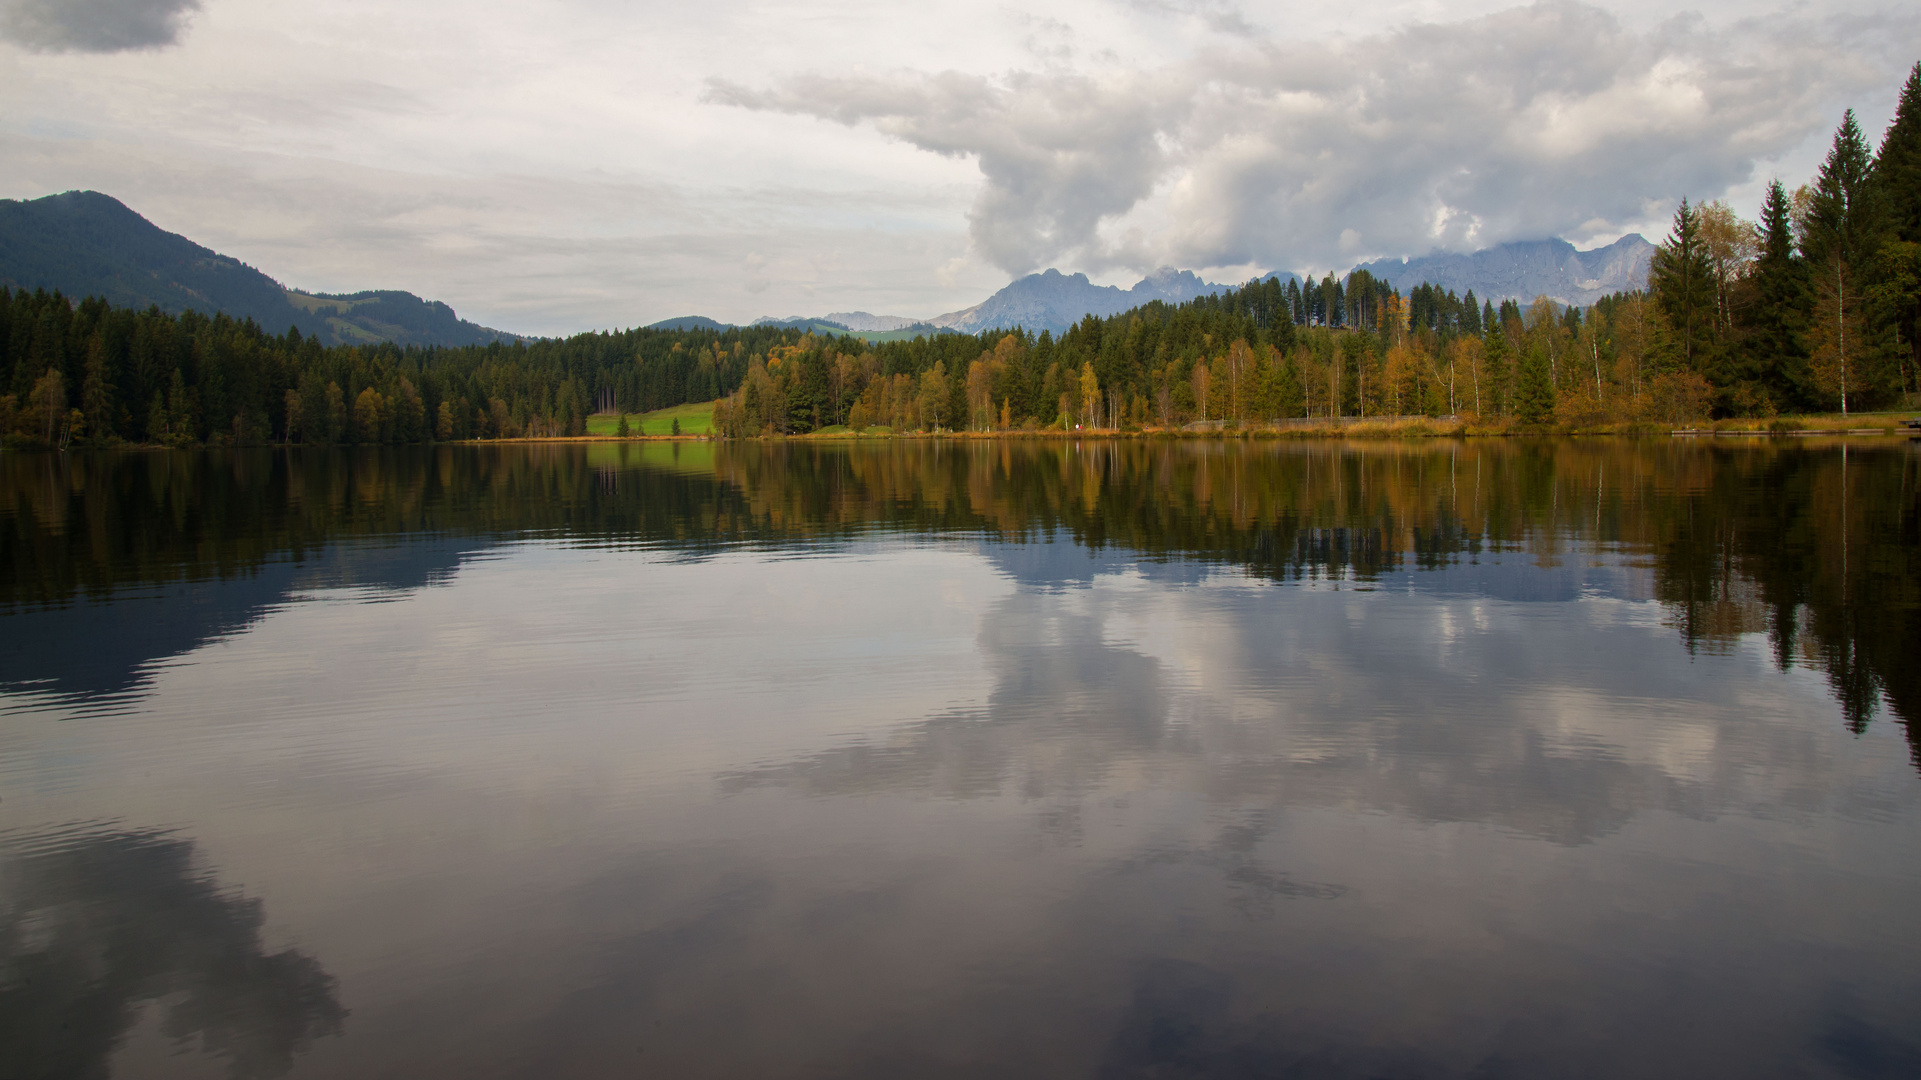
<point>574,164</point>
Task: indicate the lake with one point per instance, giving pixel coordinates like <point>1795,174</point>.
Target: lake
<point>931,758</point>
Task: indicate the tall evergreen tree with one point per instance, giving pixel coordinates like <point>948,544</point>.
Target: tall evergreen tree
<point>1897,168</point>
<point>1896,295</point>
<point>1534,385</point>
<point>1835,238</point>
<point>1333,303</point>
<point>1681,282</point>
<point>1777,322</point>
<point>1498,361</point>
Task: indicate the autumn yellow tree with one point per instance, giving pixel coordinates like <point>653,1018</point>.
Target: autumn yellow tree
<point>933,395</point>
<point>1465,357</point>
<point>1732,245</point>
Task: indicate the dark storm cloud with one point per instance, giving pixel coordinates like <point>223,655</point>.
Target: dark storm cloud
<point>94,25</point>
<point>1552,119</point>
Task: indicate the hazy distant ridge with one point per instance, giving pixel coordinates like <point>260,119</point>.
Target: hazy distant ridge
<point>1526,269</point>
<point>861,320</point>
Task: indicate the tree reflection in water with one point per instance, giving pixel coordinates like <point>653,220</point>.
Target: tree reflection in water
<point>1814,544</point>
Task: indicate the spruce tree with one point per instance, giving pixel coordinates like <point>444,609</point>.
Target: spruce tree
<point>1777,322</point>
<point>1534,386</point>
<point>1836,239</point>
<point>1897,168</point>
<point>1896,294</point>
<point>1498,362</point>
<point>1681,283</point>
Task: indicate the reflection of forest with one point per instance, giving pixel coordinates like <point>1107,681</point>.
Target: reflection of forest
<point>1817,546</point>
<point>94,927</point>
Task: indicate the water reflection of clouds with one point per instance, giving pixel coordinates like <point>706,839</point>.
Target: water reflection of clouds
<point>97,926</point>
<point>1561,721</point>
<point>1065,709</point>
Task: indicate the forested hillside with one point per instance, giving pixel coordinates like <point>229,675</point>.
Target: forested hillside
<point>97,374</point>
<point>1812,309</point>
<point>84,243</point>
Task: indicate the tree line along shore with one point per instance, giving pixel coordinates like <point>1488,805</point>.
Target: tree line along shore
<point>602,429</point>
<point>1812,310</point>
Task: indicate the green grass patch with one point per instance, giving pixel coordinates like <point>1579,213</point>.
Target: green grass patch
<point>688,458</point>
<point>696,418</point>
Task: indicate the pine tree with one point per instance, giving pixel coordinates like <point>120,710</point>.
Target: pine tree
<point>1836,237</point>
<point>1777,322</point>
<point>1681,282</point>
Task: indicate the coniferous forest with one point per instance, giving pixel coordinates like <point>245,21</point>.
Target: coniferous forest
<point>1814,308</point>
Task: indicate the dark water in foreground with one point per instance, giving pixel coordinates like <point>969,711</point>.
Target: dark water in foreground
<point>1578,759</point>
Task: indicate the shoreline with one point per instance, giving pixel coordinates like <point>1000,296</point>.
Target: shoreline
<point>1856,426</point>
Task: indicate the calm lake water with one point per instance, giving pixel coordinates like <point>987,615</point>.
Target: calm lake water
<point>1202,759</point>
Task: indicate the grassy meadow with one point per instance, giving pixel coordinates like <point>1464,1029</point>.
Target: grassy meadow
<point>696,418</point>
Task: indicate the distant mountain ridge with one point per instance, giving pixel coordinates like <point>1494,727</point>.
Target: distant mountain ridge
<point>861,320</point>
<point>1521,270</point>
<point>84,243</point>
<point>1525,269</point>
<point>1054,301</point>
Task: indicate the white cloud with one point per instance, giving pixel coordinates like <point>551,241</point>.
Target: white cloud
<point>1552,119</point>
<point>588,164</point>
